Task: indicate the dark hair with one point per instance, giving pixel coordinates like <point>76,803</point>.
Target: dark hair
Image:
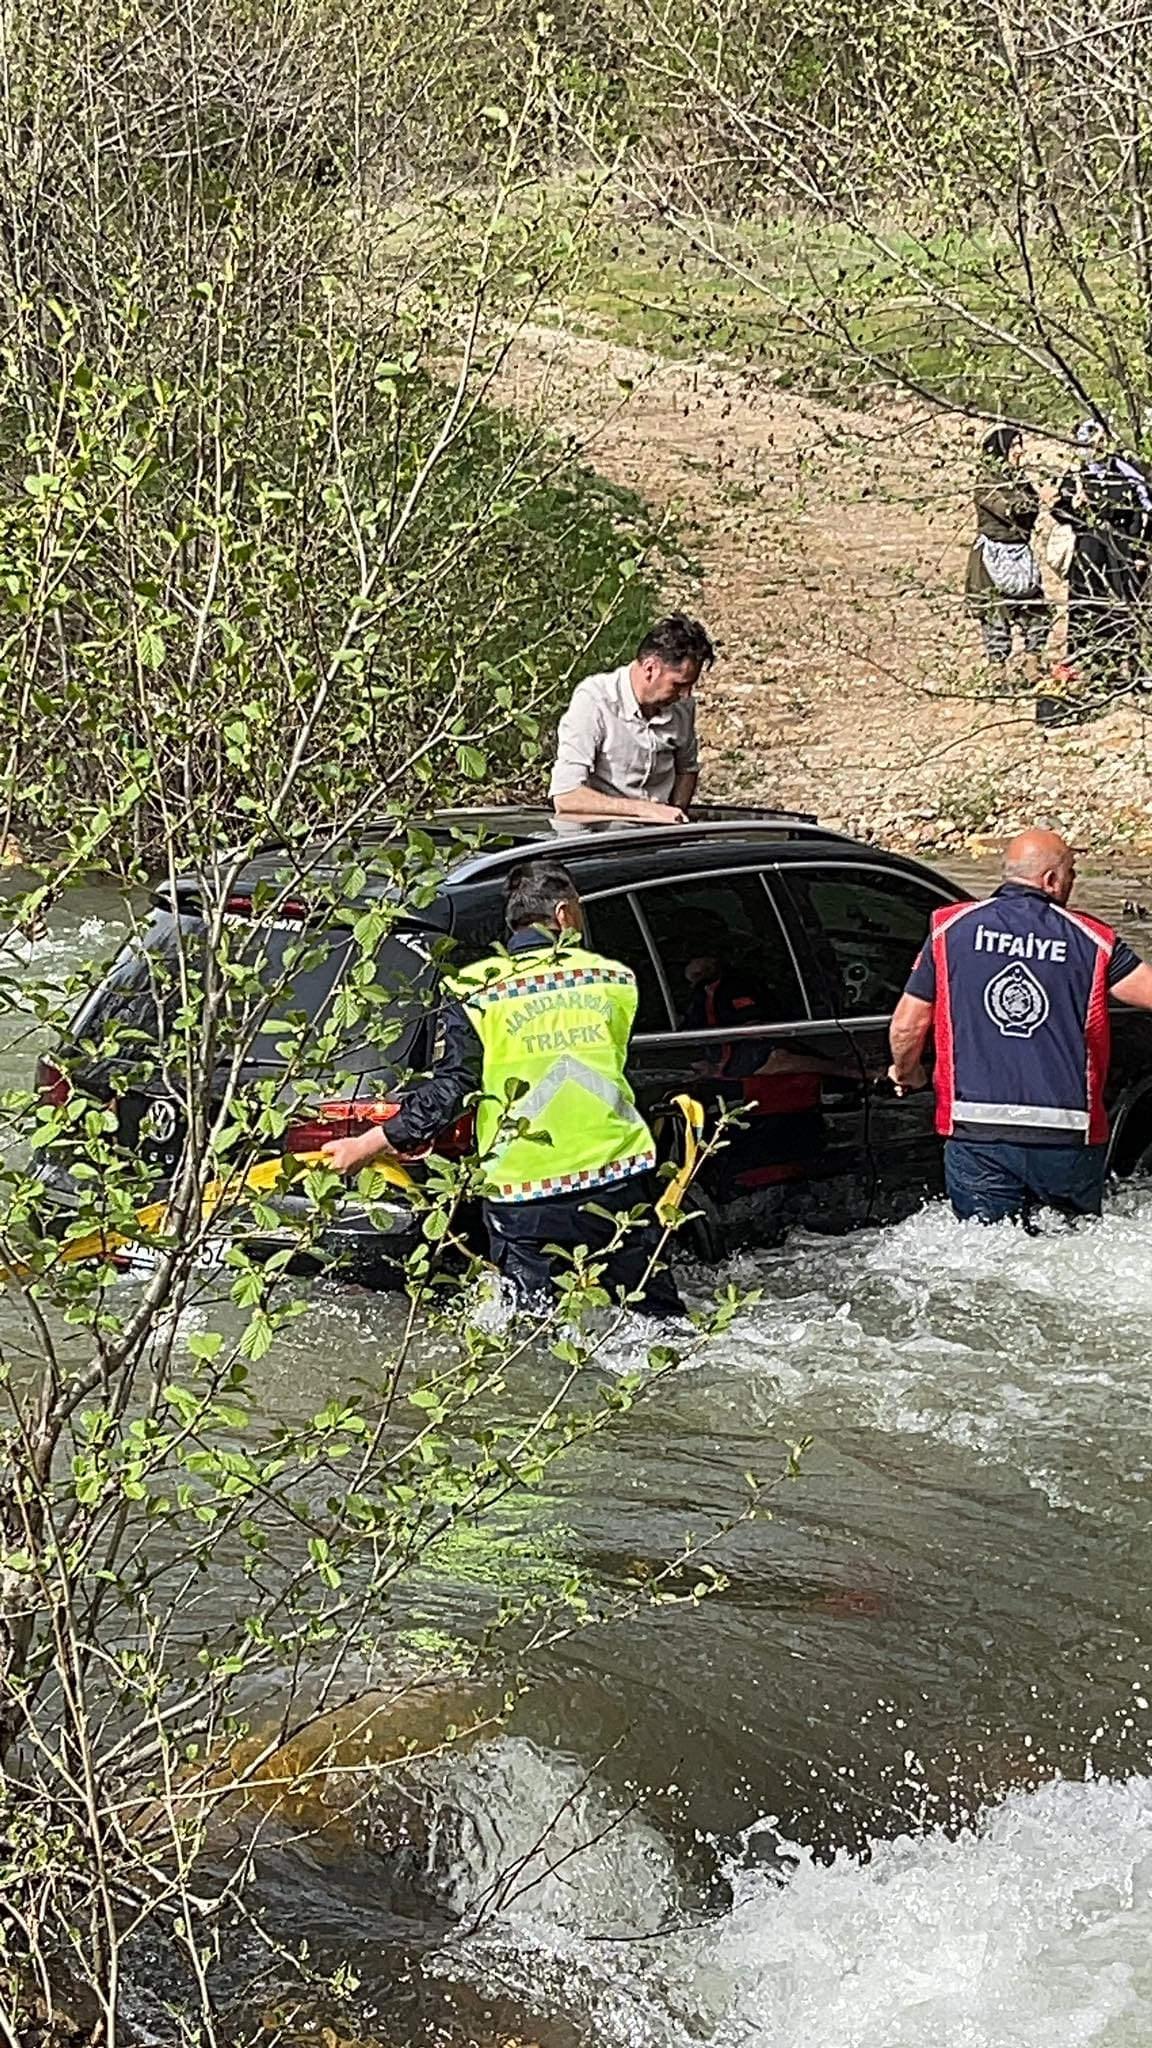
<point>532,892</point>
<point>678,640</point>
<point>1001,441</point>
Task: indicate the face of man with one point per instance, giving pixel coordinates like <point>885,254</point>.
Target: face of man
<point>701,969</point>
<point>657,683</point>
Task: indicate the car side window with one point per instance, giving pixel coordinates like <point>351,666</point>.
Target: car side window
<point>612,928</point>
<point>865,926</point>
<point>724,952</point>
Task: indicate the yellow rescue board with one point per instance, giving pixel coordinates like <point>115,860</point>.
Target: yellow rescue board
<point>219,1194</point>
<point>672,1199</point>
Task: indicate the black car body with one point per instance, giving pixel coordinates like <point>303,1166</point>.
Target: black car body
<point>767,916</point>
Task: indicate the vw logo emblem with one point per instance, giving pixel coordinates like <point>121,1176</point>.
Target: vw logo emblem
<point>160,1122</point>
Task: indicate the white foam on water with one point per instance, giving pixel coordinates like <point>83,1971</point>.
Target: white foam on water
<point>1027,1350</point>
<point>1034,1930</point>
<point>72,945</point>
<point>530,1839</point>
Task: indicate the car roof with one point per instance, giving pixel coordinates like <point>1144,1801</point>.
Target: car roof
<point>493,837</point>
<point>602,853</point>
<point>599,842</point>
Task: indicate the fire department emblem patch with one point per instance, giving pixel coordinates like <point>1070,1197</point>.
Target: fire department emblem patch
<point>1016,1002</point>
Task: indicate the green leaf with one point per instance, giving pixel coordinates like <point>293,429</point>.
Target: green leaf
<point>151,647</point>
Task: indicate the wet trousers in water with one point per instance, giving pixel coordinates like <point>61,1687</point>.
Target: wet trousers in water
<point>520,1234</point>
<point>994,1181</point>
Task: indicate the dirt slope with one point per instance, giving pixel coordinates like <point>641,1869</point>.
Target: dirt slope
<point>832,546</point>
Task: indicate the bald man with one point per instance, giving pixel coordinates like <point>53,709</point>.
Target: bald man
<point>1015,992</point>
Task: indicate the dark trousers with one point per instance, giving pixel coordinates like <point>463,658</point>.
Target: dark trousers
<point>1106,585</point>
<point>520,1234</point>
<point>994,1181</point>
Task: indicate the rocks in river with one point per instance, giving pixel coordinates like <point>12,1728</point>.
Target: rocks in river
<point>331,1769</point>
<point>438,2014</point>
<point>316,1774</point>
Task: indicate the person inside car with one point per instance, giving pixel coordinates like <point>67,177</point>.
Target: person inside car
<point>722,999</point>
<point>773,1086</point>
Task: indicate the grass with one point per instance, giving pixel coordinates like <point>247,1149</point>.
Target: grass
<point>824,311</point>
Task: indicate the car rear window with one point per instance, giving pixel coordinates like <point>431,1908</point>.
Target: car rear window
<point>303,971</point>
<point>306,971</point>
<point>143,983</point>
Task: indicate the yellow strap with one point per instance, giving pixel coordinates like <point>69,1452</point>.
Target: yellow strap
<point>267,1172</point>
<point>672,1200</point>
<point>218,1194</point>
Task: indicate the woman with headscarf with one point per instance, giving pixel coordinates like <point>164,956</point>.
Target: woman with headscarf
<point>1004,584</point>
<point>1107,501</point>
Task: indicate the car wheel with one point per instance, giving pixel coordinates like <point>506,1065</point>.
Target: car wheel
<point>1141,1166</point>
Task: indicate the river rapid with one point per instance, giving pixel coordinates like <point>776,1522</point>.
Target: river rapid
<point>893,1785</point>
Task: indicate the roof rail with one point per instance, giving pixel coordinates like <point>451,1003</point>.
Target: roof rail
<point>707,814</point>
<point>599,836</point>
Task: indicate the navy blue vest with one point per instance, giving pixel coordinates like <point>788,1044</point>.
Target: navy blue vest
<point>1021,1020</point>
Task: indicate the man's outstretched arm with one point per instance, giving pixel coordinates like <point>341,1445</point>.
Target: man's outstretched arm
<point>908,1037</point>
<point>1135,988</point>
<point>428,1106</point>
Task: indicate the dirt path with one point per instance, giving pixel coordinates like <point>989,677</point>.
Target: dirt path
<point>832,547</point>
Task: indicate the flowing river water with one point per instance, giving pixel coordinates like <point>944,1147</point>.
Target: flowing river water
<point>894,1784</point>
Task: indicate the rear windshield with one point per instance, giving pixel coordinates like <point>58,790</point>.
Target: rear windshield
<point>143,985</point>
<point>303,971</point>
<point>306,972</point>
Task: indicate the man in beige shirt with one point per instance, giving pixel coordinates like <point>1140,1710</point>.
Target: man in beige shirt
<point>626,747</point>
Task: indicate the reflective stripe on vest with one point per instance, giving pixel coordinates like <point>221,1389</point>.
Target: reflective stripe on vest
<point>557,1112</point>
<point>1021,1020</point>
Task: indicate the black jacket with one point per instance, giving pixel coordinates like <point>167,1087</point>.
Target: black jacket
<point>457,1072</point>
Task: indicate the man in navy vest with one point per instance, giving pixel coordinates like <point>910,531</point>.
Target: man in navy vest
<point>1015,993</point>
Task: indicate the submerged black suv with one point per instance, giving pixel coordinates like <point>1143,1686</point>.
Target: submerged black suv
<point>769,953</point>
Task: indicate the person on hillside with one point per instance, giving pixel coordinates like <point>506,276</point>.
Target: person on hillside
<point>1004,583</point>
<point>1016,991</point>
<point>626,747</point>
<point>540,1033</point>
<point>1106,499</point>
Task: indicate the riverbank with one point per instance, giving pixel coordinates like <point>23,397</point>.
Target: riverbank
<point>829,546</point>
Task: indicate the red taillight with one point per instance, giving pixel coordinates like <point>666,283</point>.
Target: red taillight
<point>344,1119</point>
<point>328,1121</point>
<point>241,906</point>
<point>458,1139</point>
<point>52,1086</point>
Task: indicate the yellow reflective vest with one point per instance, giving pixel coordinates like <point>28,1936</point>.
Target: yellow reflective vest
<point>556,1112</point>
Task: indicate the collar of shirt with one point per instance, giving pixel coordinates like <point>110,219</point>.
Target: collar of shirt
<point>536,938</point>
<point>1023,889</point>
<point>629,702</point>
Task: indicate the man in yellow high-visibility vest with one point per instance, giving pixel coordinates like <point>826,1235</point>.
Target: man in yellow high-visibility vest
<point>539,1034</point>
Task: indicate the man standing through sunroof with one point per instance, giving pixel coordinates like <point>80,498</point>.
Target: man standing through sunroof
<point>626,747</point>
